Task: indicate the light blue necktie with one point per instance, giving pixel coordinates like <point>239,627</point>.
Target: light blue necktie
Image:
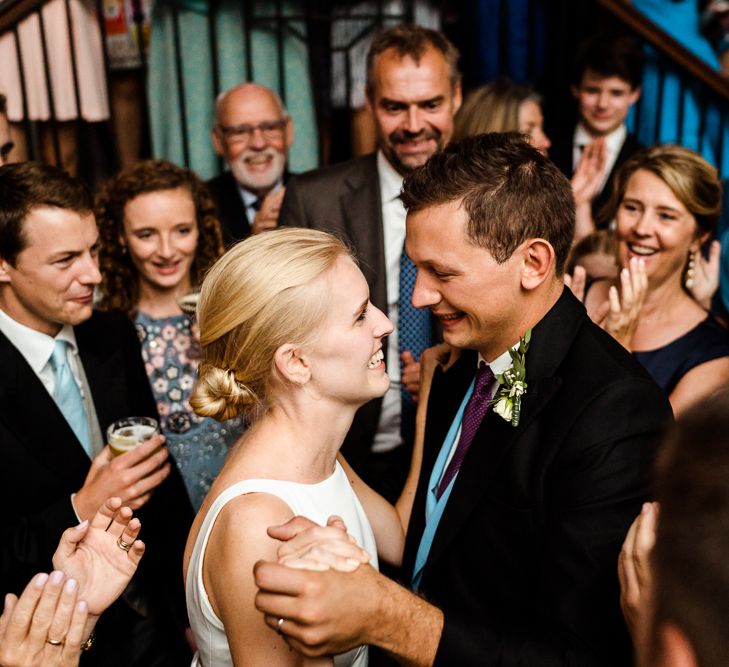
<point>68,396</point>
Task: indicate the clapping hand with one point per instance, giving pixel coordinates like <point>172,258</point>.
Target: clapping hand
<point>634,569</point>
<point>576,282</point>
<point>46,626</point>
<point>589,173</point>
<point>101,555</point>
<point>586,182</point>
<point>267,216</point>
<point>94,562</point>
<point>619,315</point>
<point>705,278</point>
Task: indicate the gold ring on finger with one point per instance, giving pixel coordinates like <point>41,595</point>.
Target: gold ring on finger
<point>55,642</point>
<point>124,546</point>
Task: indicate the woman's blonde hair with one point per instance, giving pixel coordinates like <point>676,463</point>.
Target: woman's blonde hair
<point>261,294</point>
<point>493,107</point>
<point>692,180</point>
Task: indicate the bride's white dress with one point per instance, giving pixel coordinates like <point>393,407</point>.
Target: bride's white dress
<point>317,502</point>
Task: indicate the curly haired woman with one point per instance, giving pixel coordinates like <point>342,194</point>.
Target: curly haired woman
<point>159,235</point>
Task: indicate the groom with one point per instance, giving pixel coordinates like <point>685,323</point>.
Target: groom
<point>516,527</point>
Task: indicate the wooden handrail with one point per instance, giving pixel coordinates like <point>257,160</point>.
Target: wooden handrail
<point>667,45</point>
<point>14,11</point>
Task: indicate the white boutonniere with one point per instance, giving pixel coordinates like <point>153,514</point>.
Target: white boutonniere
<point>507,400</point>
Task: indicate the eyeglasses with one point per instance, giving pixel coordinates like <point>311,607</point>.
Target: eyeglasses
<point>272,130</point>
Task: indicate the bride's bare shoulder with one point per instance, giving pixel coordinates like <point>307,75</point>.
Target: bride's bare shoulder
<point>240,527</point>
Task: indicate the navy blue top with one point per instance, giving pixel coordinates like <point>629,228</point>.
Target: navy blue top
<point>668,364</point>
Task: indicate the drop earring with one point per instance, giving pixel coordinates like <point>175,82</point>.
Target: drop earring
<point>690,270</point>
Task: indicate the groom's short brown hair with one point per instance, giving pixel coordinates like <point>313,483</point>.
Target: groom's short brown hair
<point>510,191</point>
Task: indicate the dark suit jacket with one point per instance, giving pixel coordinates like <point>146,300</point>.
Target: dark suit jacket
<point>231,212</point>
<point>561,155</point>
<point>345,200</point>
<point>43,463</point>
<point>524,560</point>
<point>229,205</point>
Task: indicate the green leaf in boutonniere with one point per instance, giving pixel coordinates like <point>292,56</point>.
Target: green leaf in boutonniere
<point>512,383</point>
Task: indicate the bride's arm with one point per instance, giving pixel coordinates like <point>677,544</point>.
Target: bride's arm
<point>239,539</point>
<point>383,517</point>
<point>390,523</point>
<point>441,354</point>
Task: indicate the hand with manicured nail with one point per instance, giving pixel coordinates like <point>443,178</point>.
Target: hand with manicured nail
<point>705,279</point>
<point>45,627</point>
<point>95,554</point>
<point>619,315</point>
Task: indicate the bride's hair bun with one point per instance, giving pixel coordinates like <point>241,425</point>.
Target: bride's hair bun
<point>219,395</point>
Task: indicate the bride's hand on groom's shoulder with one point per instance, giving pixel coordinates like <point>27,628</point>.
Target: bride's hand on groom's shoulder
<point>309,546</point>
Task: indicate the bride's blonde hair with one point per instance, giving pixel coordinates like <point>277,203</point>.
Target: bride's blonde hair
<point>261,294</point>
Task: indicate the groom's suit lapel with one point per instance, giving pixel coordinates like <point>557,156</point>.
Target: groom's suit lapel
<point>551,340</point>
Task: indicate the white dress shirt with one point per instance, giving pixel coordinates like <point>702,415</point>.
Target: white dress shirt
<point>37,348</point>
<point>613,144</point>
<point>388,435</point>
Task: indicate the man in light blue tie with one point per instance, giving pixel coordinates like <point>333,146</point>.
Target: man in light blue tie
<point>67,373</point>
<point>67,393</point>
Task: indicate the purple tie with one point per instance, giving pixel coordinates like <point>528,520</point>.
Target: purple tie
<point>473,415</point>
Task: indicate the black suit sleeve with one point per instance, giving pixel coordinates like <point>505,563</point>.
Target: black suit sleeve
<point>598,482</point>
<point>28,541</point>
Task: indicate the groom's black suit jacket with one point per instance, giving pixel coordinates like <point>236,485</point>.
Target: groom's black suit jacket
<point>42,463</point>
<point>524,561</point>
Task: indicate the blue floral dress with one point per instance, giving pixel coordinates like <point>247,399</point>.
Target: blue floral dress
<point>198,445</point>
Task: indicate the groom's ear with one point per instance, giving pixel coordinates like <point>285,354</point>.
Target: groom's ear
<point>538,260</point>
<point>292,364</point>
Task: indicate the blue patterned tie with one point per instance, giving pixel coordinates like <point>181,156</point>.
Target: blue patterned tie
<point>414,334</point>
<point>68,396</point>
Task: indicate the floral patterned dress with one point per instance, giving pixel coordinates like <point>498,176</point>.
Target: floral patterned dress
<point>198,445</point>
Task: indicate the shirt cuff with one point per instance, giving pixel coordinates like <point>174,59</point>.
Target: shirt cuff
<point>73,507</point>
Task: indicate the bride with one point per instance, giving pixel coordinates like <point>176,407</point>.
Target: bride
<point>290,340</point>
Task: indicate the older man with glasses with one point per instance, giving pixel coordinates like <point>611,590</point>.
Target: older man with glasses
<point>253,134</point>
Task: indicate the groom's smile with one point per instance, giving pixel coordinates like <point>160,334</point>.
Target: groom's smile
<point>475,298</point>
